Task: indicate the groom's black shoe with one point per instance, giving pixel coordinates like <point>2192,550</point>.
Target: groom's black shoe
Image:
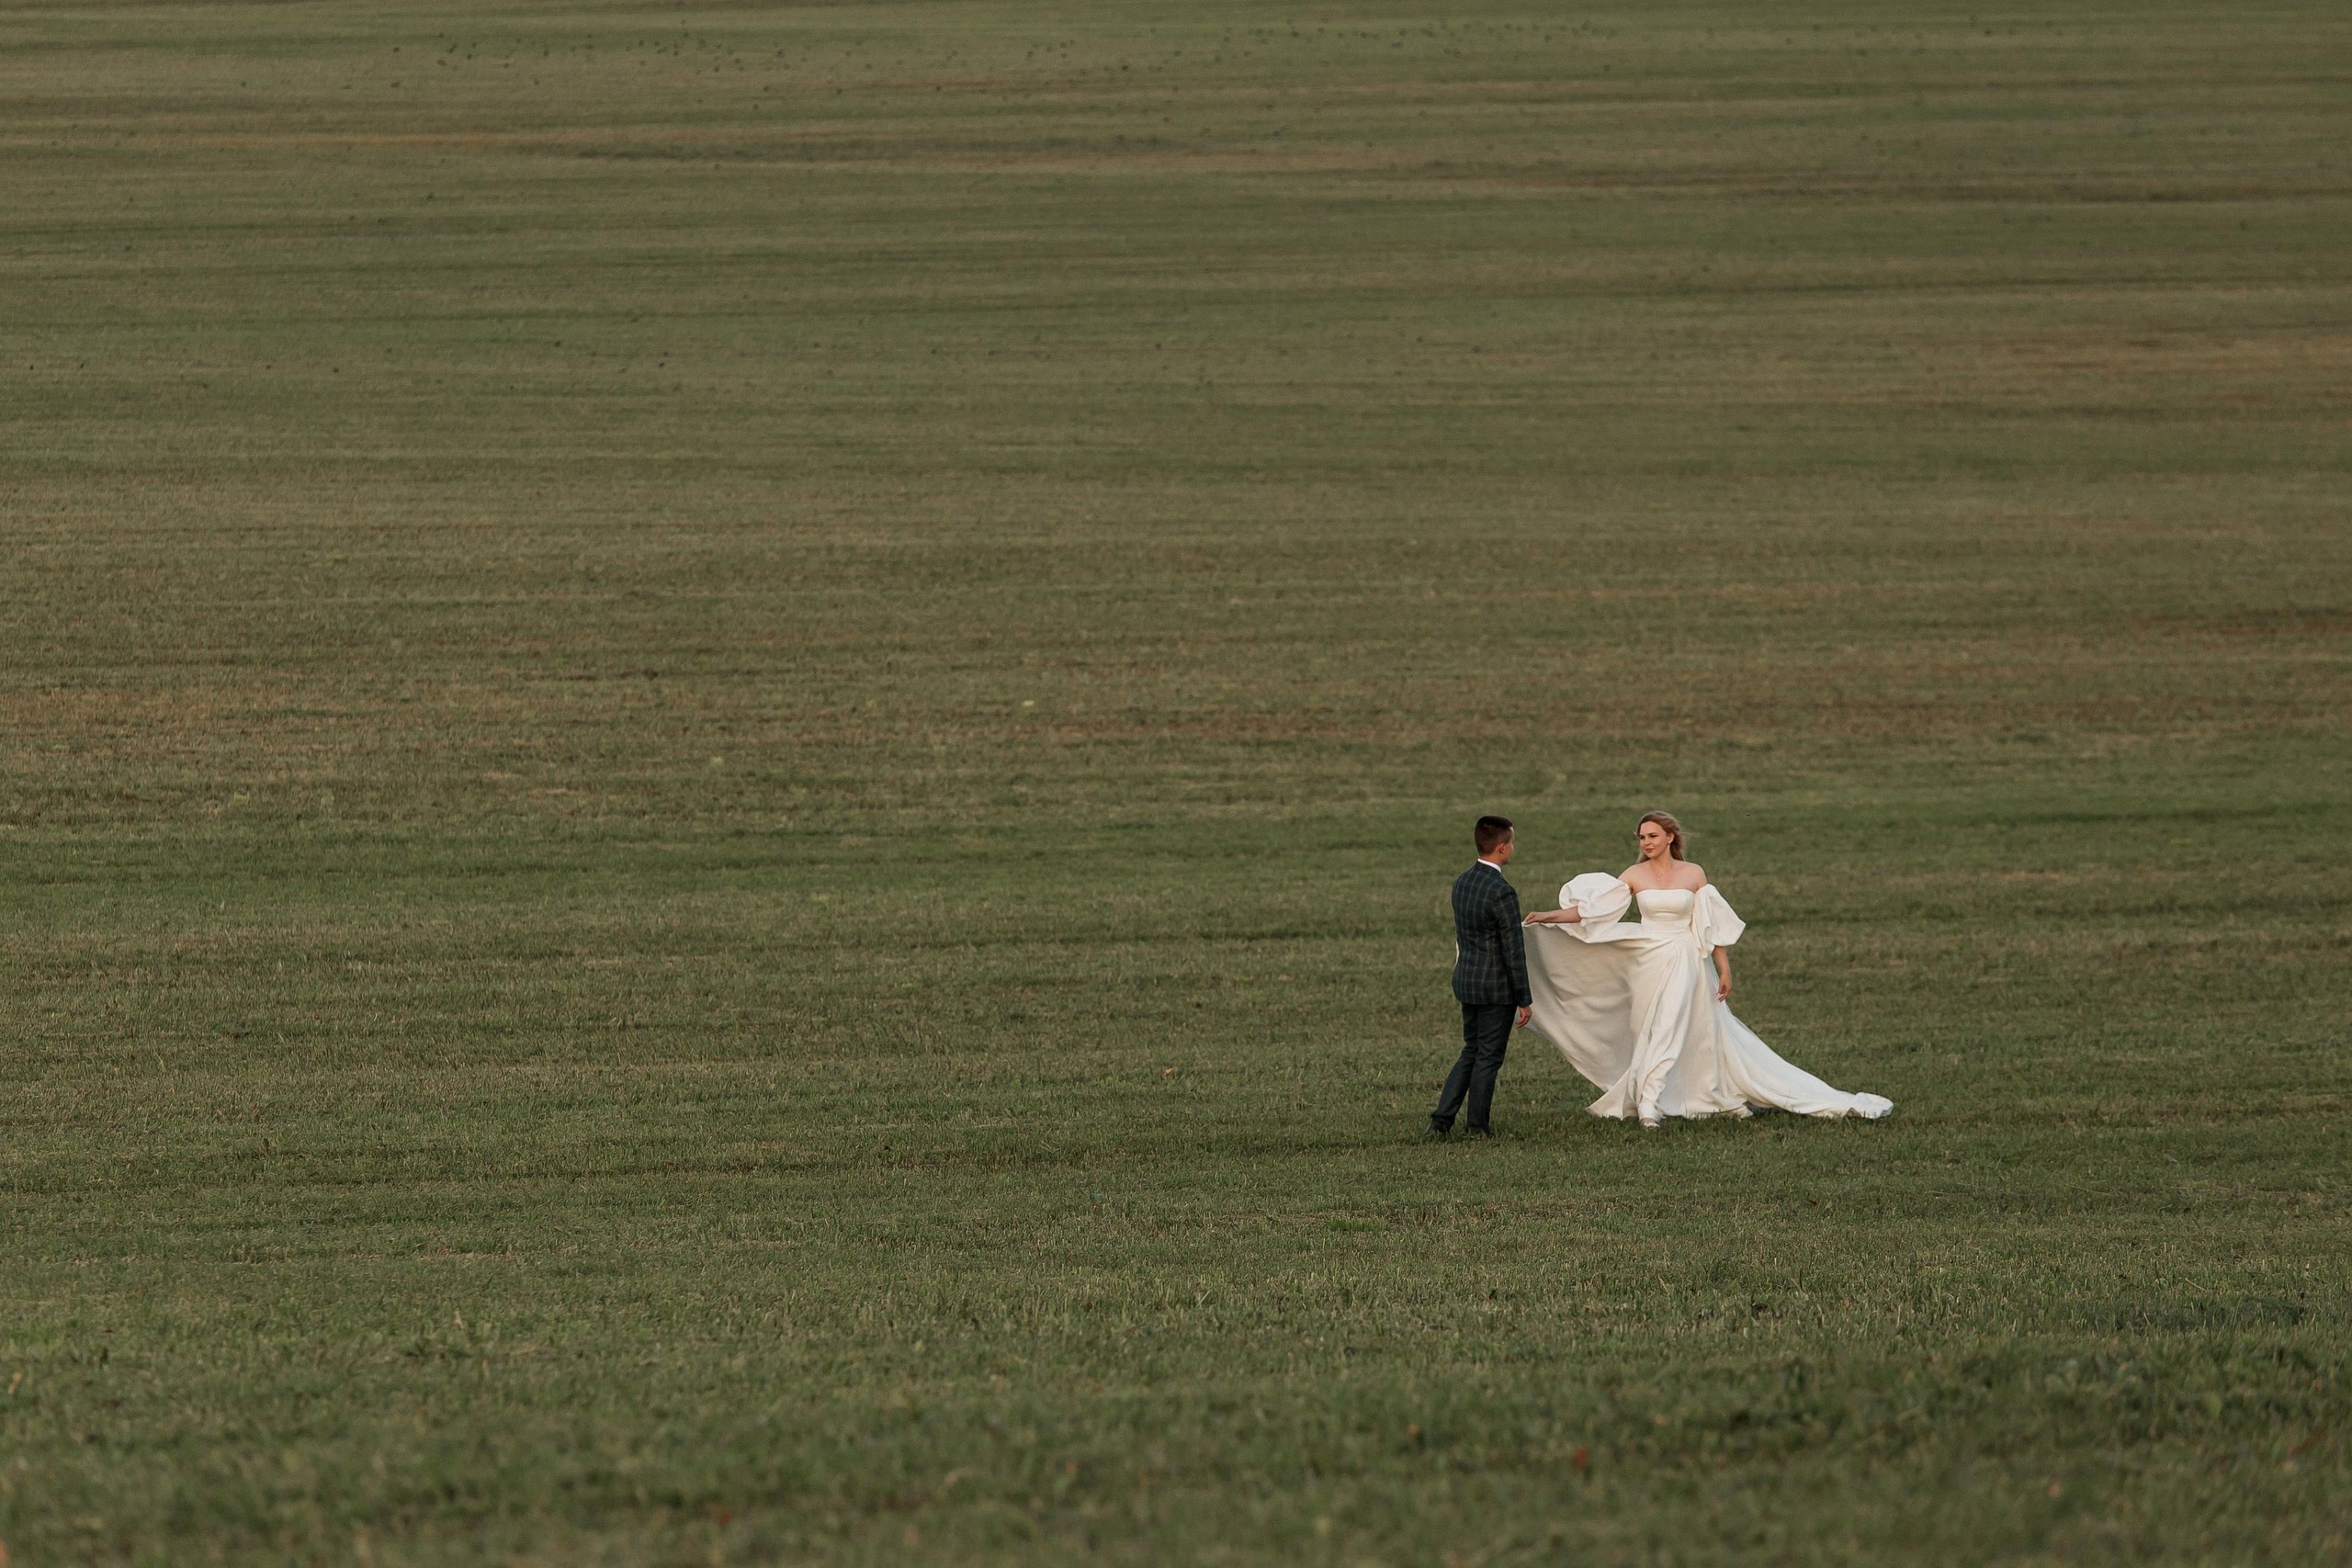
<point>1433,1133</point>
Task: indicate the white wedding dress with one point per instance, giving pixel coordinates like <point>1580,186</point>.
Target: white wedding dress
<point>1633,1008</point>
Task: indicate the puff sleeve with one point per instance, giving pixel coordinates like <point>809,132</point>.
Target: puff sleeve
<point>1713,919</point>
<point>1597,898</point>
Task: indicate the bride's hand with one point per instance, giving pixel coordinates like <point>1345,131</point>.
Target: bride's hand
<point>1723,989</point>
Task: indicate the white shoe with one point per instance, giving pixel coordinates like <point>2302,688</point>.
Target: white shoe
<point>1651,1122</point>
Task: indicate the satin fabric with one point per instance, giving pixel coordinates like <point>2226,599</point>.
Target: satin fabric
<point>1633,1008</point>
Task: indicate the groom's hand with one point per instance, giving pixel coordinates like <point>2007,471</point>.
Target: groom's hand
<point>1524,1014</point>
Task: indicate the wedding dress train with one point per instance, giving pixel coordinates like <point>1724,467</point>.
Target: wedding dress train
<point>1633,1008</point>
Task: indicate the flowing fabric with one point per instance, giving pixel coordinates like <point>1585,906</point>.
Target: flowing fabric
<point>1633,1008</point>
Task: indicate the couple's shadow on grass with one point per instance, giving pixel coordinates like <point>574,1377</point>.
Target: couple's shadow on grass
<point>1573,1127</point>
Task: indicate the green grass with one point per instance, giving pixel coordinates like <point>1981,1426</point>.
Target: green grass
<point>729,738</point>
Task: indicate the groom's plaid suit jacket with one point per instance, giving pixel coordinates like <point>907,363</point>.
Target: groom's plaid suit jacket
<point>1490,951</point>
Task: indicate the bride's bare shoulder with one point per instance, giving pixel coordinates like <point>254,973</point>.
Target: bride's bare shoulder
<point>1697,871</point>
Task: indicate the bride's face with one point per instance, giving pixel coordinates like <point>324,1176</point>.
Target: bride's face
<point>1655,841</point>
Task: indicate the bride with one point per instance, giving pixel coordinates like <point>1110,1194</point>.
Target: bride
<point>1631,1005</point>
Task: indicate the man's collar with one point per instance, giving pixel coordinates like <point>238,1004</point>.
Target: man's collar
<point>1490,865</point>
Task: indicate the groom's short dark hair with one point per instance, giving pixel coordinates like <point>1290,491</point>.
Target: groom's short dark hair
<point>1492,831</point>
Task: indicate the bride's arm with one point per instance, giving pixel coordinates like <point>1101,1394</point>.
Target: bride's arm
<point>1722,974</point>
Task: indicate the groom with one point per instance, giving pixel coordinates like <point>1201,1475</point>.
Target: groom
<point>1489,980</point>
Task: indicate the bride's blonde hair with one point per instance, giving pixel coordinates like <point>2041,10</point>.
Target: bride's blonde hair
<point>1674,830</point>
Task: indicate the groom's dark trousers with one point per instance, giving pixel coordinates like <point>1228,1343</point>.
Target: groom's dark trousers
<point>1486,1036</point>
<point>1490,982</point>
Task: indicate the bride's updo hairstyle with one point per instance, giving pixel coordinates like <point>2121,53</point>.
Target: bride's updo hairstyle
<point>1673,828</point>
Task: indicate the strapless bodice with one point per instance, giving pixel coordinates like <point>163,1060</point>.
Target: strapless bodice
<point>1666,908</point>
<point>1602,903</point>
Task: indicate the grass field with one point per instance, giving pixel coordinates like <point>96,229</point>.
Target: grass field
<point>729,738</point>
